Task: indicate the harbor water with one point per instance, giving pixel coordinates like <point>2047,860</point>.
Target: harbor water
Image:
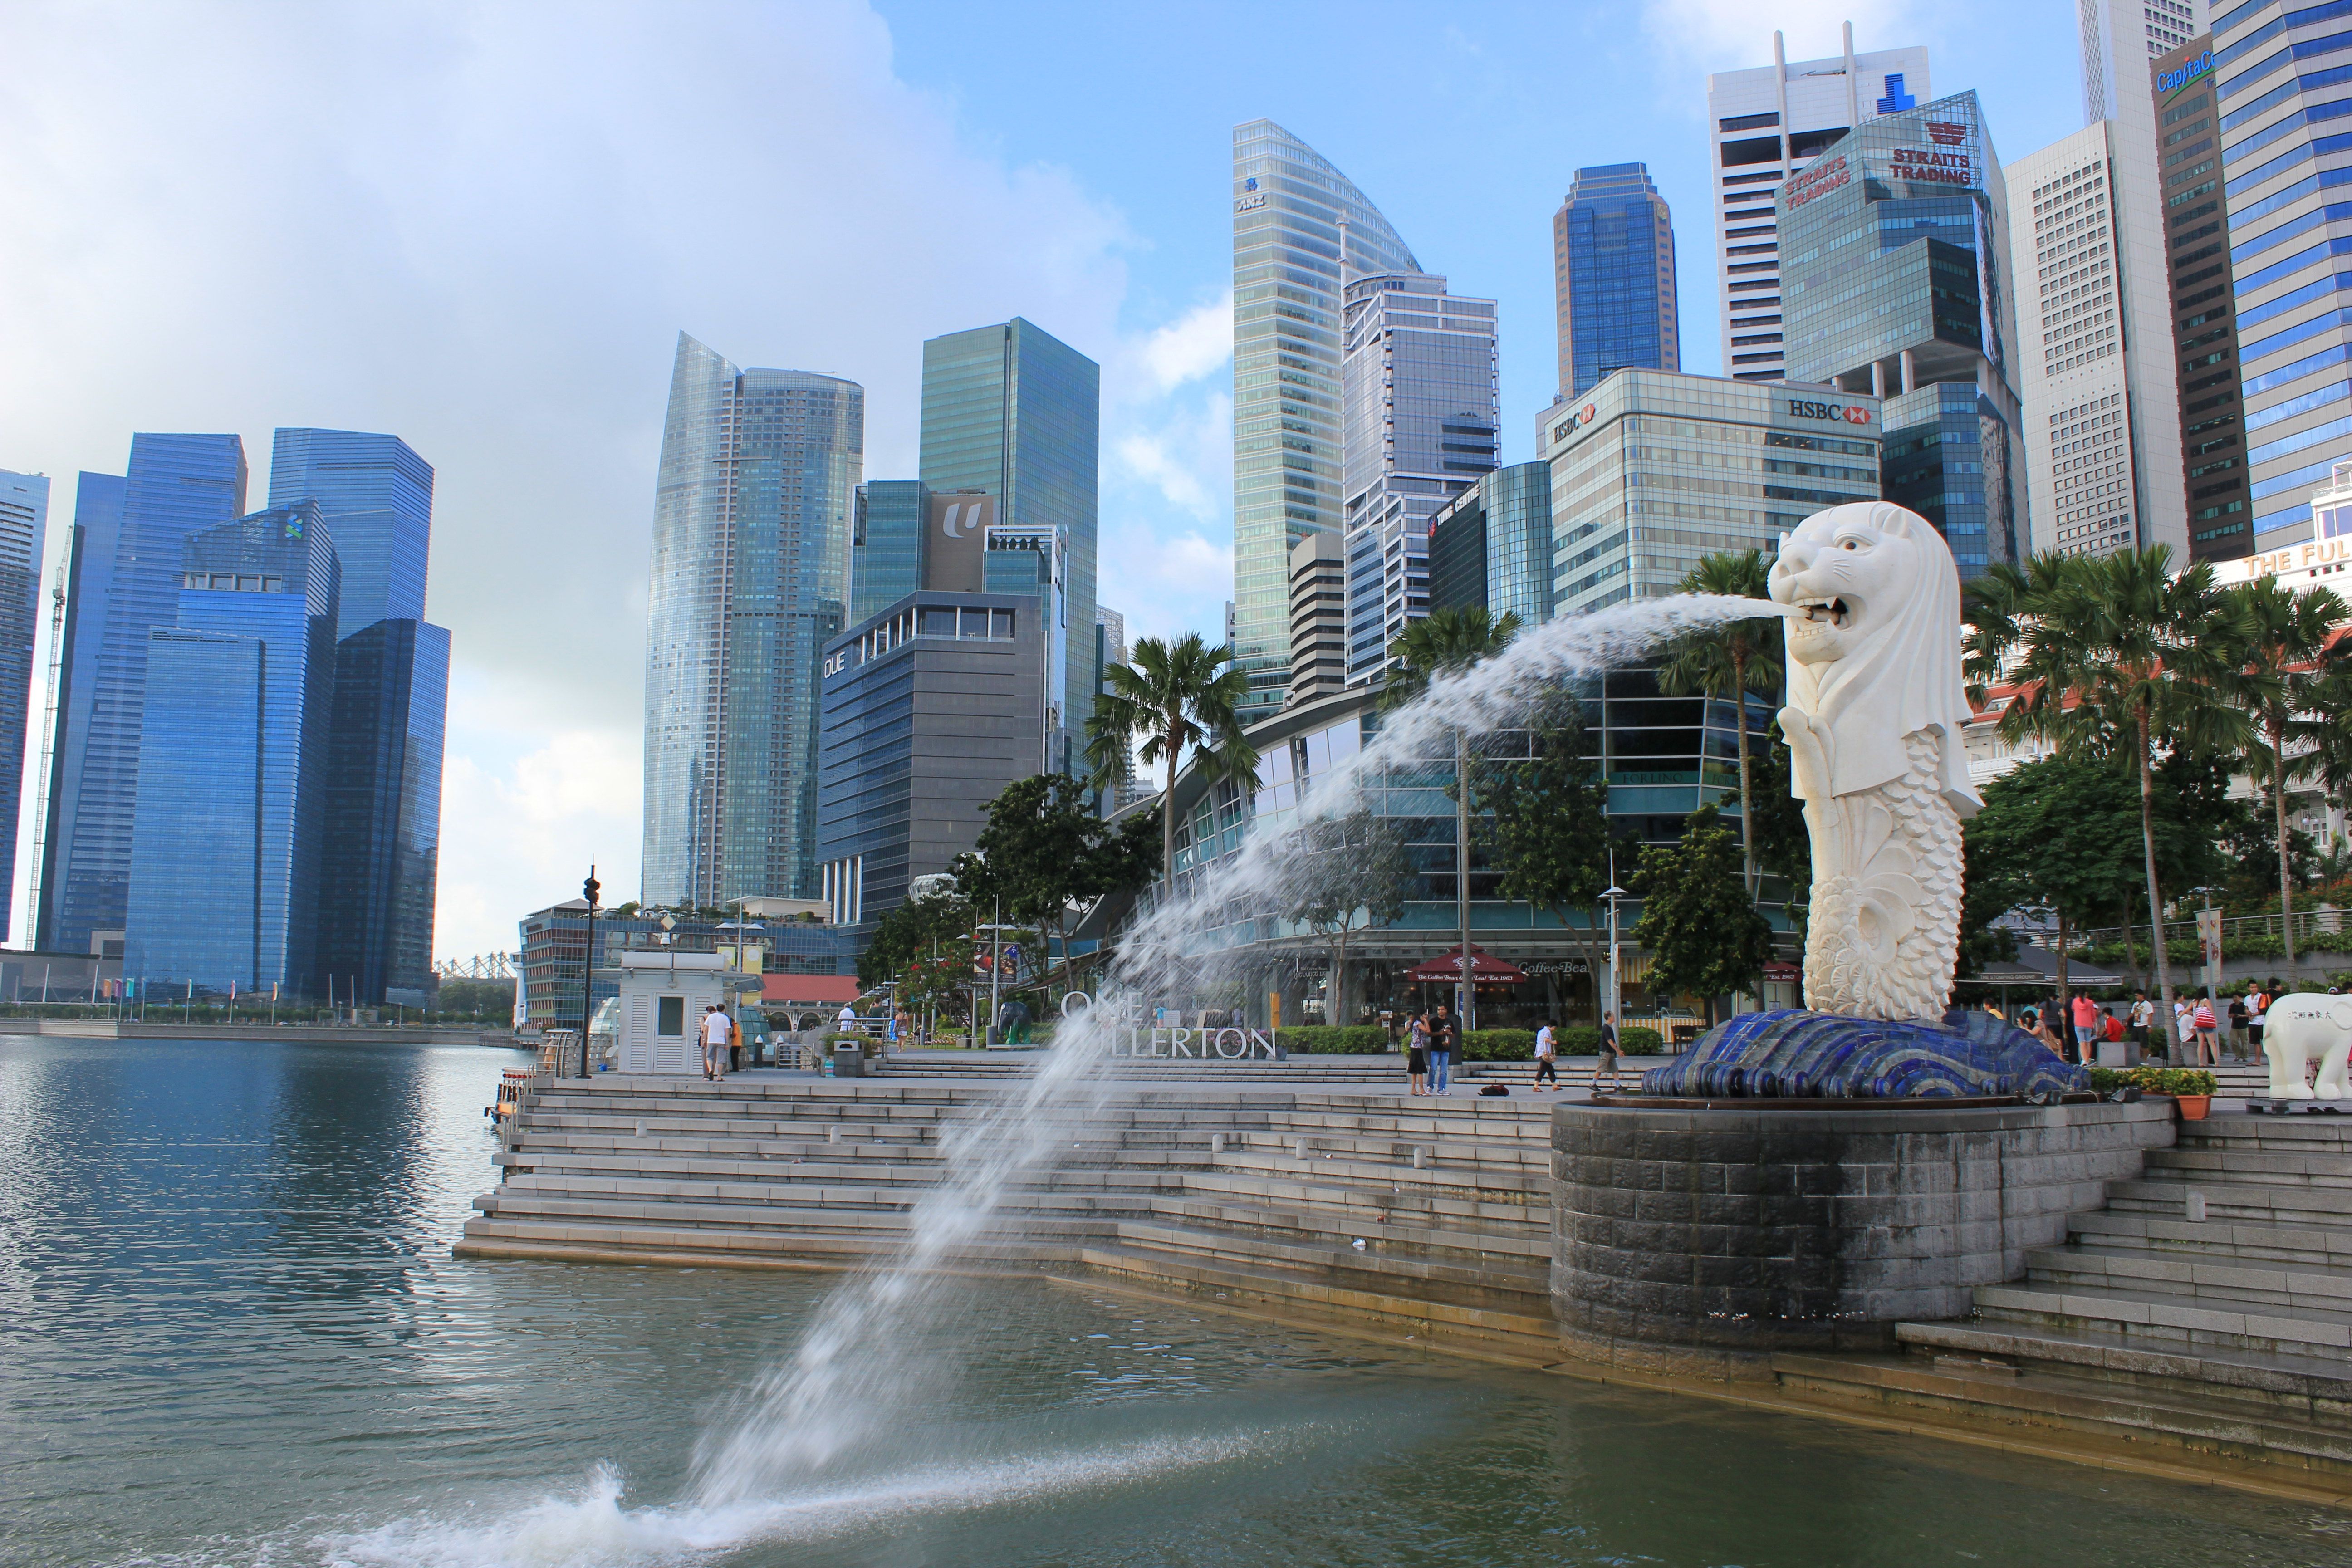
<point>232,1332</point>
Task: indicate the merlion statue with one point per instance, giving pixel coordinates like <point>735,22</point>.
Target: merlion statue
<point>1875,706</point>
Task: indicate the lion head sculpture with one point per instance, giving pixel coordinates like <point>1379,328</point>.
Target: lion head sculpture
<point>1875,654</point>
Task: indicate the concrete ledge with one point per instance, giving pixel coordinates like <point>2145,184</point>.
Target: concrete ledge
<point>1748,1231</point>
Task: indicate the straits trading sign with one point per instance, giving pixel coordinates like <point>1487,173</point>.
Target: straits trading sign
<point>1818,180</point>
<point>1931,166</point>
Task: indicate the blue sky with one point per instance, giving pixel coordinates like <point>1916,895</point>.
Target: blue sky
<point>482,226</point>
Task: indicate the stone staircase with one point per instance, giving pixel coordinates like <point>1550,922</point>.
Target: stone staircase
<point>1428,1220</point>
<point>2206,1309</point>
<point>1381,1069</point>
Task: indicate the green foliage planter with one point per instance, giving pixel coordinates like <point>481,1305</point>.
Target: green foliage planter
<point>1499,1044</point>
<point>2176,1082</point>
<point>1336,1039</point>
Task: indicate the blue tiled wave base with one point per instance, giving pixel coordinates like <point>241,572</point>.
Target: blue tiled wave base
<point>1796,1055</point>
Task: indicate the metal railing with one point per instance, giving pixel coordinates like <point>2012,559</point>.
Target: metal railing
<point>2235,930</point>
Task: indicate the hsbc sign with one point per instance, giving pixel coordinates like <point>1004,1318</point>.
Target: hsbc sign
<point>1852,413</point>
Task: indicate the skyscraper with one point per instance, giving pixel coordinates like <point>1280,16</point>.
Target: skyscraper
<point>89,576</point>
<point>1421,407</point>
<point>1772,122</point>
<point>1491,546</point>
<point>2204,315</point>
<point>2277,97</point>
<point>751,528</point>
<point>1896,256</point>
<point>1612,246</point>
<point>228,826</point>
<point>1318,619</point>
<point>1290,210</point>
<point>382,789</point>
<point>1012,412</point>
<point>24,529</point>
<point>376,495</point>
<point>176,485</point>
<point>890,544</point>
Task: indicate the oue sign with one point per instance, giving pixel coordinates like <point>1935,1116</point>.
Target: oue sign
<point>1130,1039</point>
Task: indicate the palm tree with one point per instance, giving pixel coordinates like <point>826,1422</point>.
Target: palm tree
<point>1729,662</point>
<point>2286,636</point>
<point>1446,642</point>
<point>2112,656</point>
<point>1176,700</point>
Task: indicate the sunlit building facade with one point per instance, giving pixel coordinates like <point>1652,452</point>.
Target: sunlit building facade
<point>1613,278</point>
<point>1290,207</point>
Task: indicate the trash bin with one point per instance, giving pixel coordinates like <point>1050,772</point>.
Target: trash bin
<point>848,1060</point>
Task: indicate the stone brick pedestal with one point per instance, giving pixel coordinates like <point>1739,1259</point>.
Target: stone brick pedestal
<point>1694,1240</point>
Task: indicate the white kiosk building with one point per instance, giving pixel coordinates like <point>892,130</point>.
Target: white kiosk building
<point>663,995</point>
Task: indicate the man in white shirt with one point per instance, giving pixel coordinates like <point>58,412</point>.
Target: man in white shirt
<point>846,1022</point>
<point>717,1029</point>
<point>1546,1054</point>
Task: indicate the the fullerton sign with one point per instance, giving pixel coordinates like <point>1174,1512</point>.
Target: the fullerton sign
<point>2299,557</point>
<point>1129,1038</point>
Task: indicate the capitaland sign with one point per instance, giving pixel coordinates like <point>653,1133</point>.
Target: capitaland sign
<point>2183,74</point>
<point>1851,413</point>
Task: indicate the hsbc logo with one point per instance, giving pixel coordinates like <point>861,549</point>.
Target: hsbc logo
<point>1852,413</point>
<point>1574,422</point>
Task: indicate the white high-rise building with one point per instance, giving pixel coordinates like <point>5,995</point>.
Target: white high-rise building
<point>2096,371</point>
<point>1421,408</point>
<point>1770,123</point>
<point>23,533</point>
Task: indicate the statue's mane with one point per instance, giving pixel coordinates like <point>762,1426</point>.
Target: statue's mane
<point>1905,676</point>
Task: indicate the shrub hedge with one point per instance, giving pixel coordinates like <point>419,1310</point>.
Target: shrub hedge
<point>2153,1079</point>
<point>1335,1039</point>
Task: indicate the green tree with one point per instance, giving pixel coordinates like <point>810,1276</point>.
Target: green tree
<point>1343,874</point>
<point>917,930</point>
<point>1551,836</point>
<point>2111,655</point>
<point>2286,637</point>
<point>1730,660</point>
<point>2060,836</point>
<point>1704,934</point>
<point>1175,699</point>
<point>1045,851</point>
<point>1448,641</point>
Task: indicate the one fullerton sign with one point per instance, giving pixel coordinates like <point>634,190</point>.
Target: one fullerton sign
<point>1130,1039</point>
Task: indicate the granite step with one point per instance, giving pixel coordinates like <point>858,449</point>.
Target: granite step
<point>2228,1200</point>
<point>2307,1388</point>
<point>2161,1320</point>
<point>2214,1237</point>
<point>2237,1282</point>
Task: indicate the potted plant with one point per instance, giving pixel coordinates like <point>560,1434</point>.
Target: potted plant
<point>2191,1089</point>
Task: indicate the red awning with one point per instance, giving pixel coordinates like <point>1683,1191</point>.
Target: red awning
<point>1447,965</point>
<point>808,990</point>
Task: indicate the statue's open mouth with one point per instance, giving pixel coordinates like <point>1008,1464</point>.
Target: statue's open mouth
<point>1830,610</point>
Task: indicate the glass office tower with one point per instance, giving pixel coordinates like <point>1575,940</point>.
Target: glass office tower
<point>889,544</point>
<point>23,528</point>
<point>176,485</point>
<point>1012,411</point>
<point>2280,96</point>
<point>752,513</point>
<point>1290,209</point>
<point>228,826</point>
<point>377,494</point>
<point>1894,262</point>
<point>1490,548</point>
<point>1613,245</point>
<point>1421,406</point>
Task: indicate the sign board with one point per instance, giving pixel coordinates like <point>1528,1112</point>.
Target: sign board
<point>2209,934</point>
<point>957,558</point>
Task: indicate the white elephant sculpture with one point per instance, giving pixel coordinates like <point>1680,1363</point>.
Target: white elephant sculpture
<point>2301,1028</point>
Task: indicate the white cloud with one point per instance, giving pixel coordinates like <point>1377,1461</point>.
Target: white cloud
<point>481,227</point>
<point>1196,343</point>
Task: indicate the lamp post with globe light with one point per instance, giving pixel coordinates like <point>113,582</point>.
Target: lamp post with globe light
<point>588,889</point>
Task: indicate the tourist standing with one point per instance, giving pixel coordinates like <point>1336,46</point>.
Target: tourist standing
<point>2208,1035</point>
<point>1609,1052</point>
<point>2258,1001</point>
<point>2184,1027</point>
<point>2238,1017</point>
<point>1443,1035</point>
<point>715,1032</point>
<point>1546,1071</point>
<point>2143,1019</point>
<point>1416,1056</point>
<point>2086,1027</point>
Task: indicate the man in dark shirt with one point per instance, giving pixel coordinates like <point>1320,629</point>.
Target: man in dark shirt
<point>1443,1035</point>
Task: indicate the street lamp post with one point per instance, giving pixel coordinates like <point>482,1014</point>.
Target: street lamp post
<point>1613,1005</point>
<point>588,889</point>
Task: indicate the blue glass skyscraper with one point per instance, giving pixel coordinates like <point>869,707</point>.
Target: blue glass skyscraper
<point>1014,411</point>
<point>176,485</point>
<point>228,825</point>
<point>376,495</point>
<point>380,860</point>
<point>1613,276</point>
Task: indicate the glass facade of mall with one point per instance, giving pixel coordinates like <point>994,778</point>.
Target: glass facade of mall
<point>228,826</point>
<point>1289,204</point>
<point>1654,471</point>
<point>1614,266</point>
<point>1422,409</point>
<point>752,514</point>
<point>1491,546</point>
<point>2281,89</point>
<point>1663,756</point>
<point>1012,411</point>
<point>1894,260</point>
<point>127,586</point>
